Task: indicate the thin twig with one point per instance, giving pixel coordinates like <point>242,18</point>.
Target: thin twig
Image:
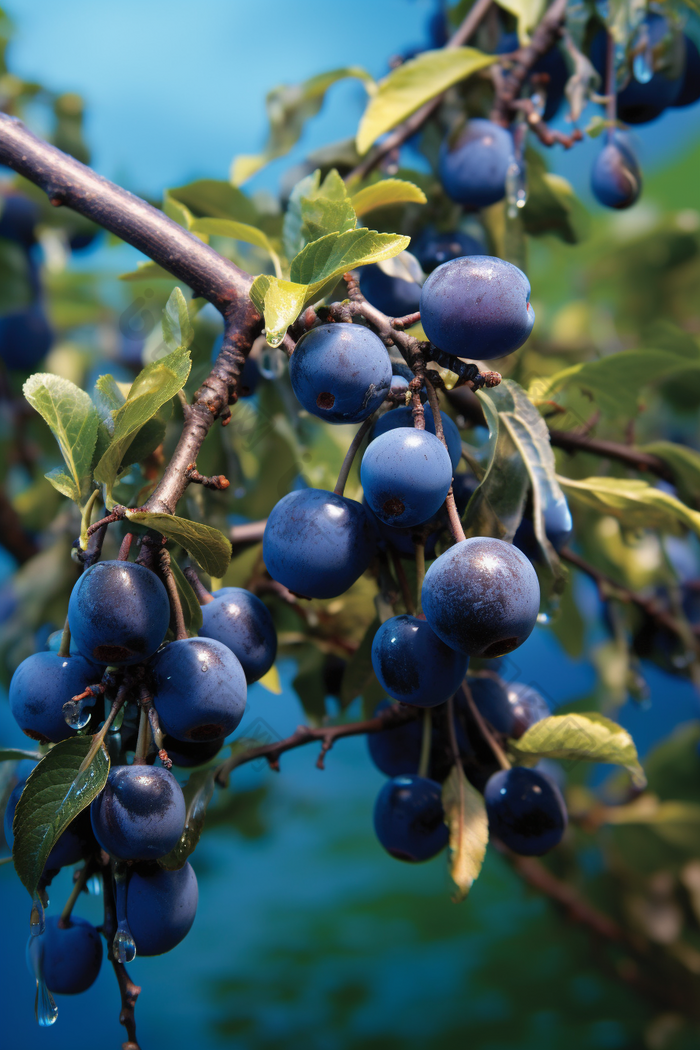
<point>168,578</point>
<point>570,441</point>
<point>488,736</point>
<point>351,453</point>
<point>402,579</point>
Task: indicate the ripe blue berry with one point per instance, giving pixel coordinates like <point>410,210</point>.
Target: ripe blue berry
<point>25,336</point>
<point>189,753</point>
<point>18,217</point>
<point>403,417</point>
<point>392,295</point>
<point>690,84</point>
<point>160,907</point>
<point>473,164</point>
<point>199,689</point>
<point>340,372</point>
<point>433,249</point>
<point>118,613</point>
<point>241,622</point>
<point>406,475</point>
<point>413,664</point>
<point>526,810</point>
<point>40,687</point>
<point>482,597</point>
<point>399,385</point>
<point>70,958</point>
<point>317,543</point>
<point>396,750</point>
<point>616,179</point>
<point>140,814</point>
<point>510,709</point>
<point>409,820</point>
<point>477,307</point>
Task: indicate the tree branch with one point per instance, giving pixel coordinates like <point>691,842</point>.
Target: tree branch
<point>572,442</point>
<point>512,81</point>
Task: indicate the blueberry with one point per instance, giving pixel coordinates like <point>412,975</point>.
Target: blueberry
<point>140,814</point>
<point>241,622</point>
<point>392,295</point>
<point>403,417</point>
<point>477,307</point>
<point>199,689</point>
<point>413,665</point>
<point>474,162</point>
<point>640,103</point>
<point>409,820</point>
<point>509,709</point>
<point>340,372</point>
<point>396,750</point>
<point>406,475</point>
<point>40,687</point>
<point>402,539</point>
<point>616,180</point>
<point>433,249</point>
<point>70,958</point>
<point>25,336</point>
<point>482,597</point>
<point>189,753</point>
<point>399,385</point>
<point>526,810</point>
<point>118,612</point>
<point>73,845</point>
<point>690,84</point>
<point>317,543</point>
<point>18,217</point>
<point>558,528</point>
<point>160,907</point>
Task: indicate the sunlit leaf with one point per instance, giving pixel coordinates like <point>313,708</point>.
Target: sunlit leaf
<point>385,193</point>
<point>73,420</point>
<point>589,736</point>
<point>465,815</point>
<point>208,546</point>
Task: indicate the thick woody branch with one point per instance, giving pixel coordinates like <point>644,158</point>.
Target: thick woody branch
<point>572,442</point>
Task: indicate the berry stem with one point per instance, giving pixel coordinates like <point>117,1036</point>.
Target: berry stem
<point>424,764</point>
<point>610,87</point>
<point>125,547</point>
<point>128,991</point>
<point>420,573</point>
<point>203,595</point>
<point>78,887</point>
<point>64,648</point>
<point>488,736</point>
<point>99,738</point>
<point>450,505</point>
<point>174,595</point>
<point>143,740</point>
<point>351,453</point>
<point>403,581</point>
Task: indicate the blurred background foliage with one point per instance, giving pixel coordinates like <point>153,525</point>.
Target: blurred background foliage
<point>307,934</point>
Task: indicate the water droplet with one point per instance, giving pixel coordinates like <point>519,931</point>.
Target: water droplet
<point>272,363</point>
<point>643,66</point>
<point>516,187</point>
<point>123,945</point>
<point>544,618</point>
<point>77,712</point>
<point>45,1009</point>
<point>94,885</point>
<point>204,667</point>
<point>37,919</point>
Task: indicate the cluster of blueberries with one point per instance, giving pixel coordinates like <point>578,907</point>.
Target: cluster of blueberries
<point>25,333</point>
<point>119,614</point>
<point>480,598</point>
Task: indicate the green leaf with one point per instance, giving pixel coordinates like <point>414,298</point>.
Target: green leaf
<point>291,229</point>
<point>288,108</point>
<point>238,231</point>
<point>314,271</point>
<point>635,503</point>
<point>152,388</point>
<point>465,815</point>
<point>496,506</point>
<point>530,436</point>
<point>147,271</point>
<point>413,83</point>
<point>178,332</point>
<point>552,205</point>
<point>73,420</point>
<point>177,211</point>
<point>386,192</point>
<point>208,546</point>
<point>327,209</point>
<point>16,754</point>
<point>588,736</point>
<point>528,14</point>
<point>191,609</point>
<point>198,793</point>
<point>53,796</point>
<point>685,465</point>
<point>614,382</point>
<point>216,198</point>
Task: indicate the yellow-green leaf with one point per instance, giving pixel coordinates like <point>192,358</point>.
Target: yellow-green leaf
<point>73,420</point>
<point>405,89</point>
<point>386,192</point>
<point>178,332</point>
<point>54,794</point>
<point>684,463</point>
<point>589,736</point>
<point>280,302</point>
<point>271,681</point>
<point>528,14</point>
<point>238,231</point>
<point>156,384</point>
<point>634,502</point>
<point>208,546</point>
<point>465,815</point>
<point>147,271</point>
